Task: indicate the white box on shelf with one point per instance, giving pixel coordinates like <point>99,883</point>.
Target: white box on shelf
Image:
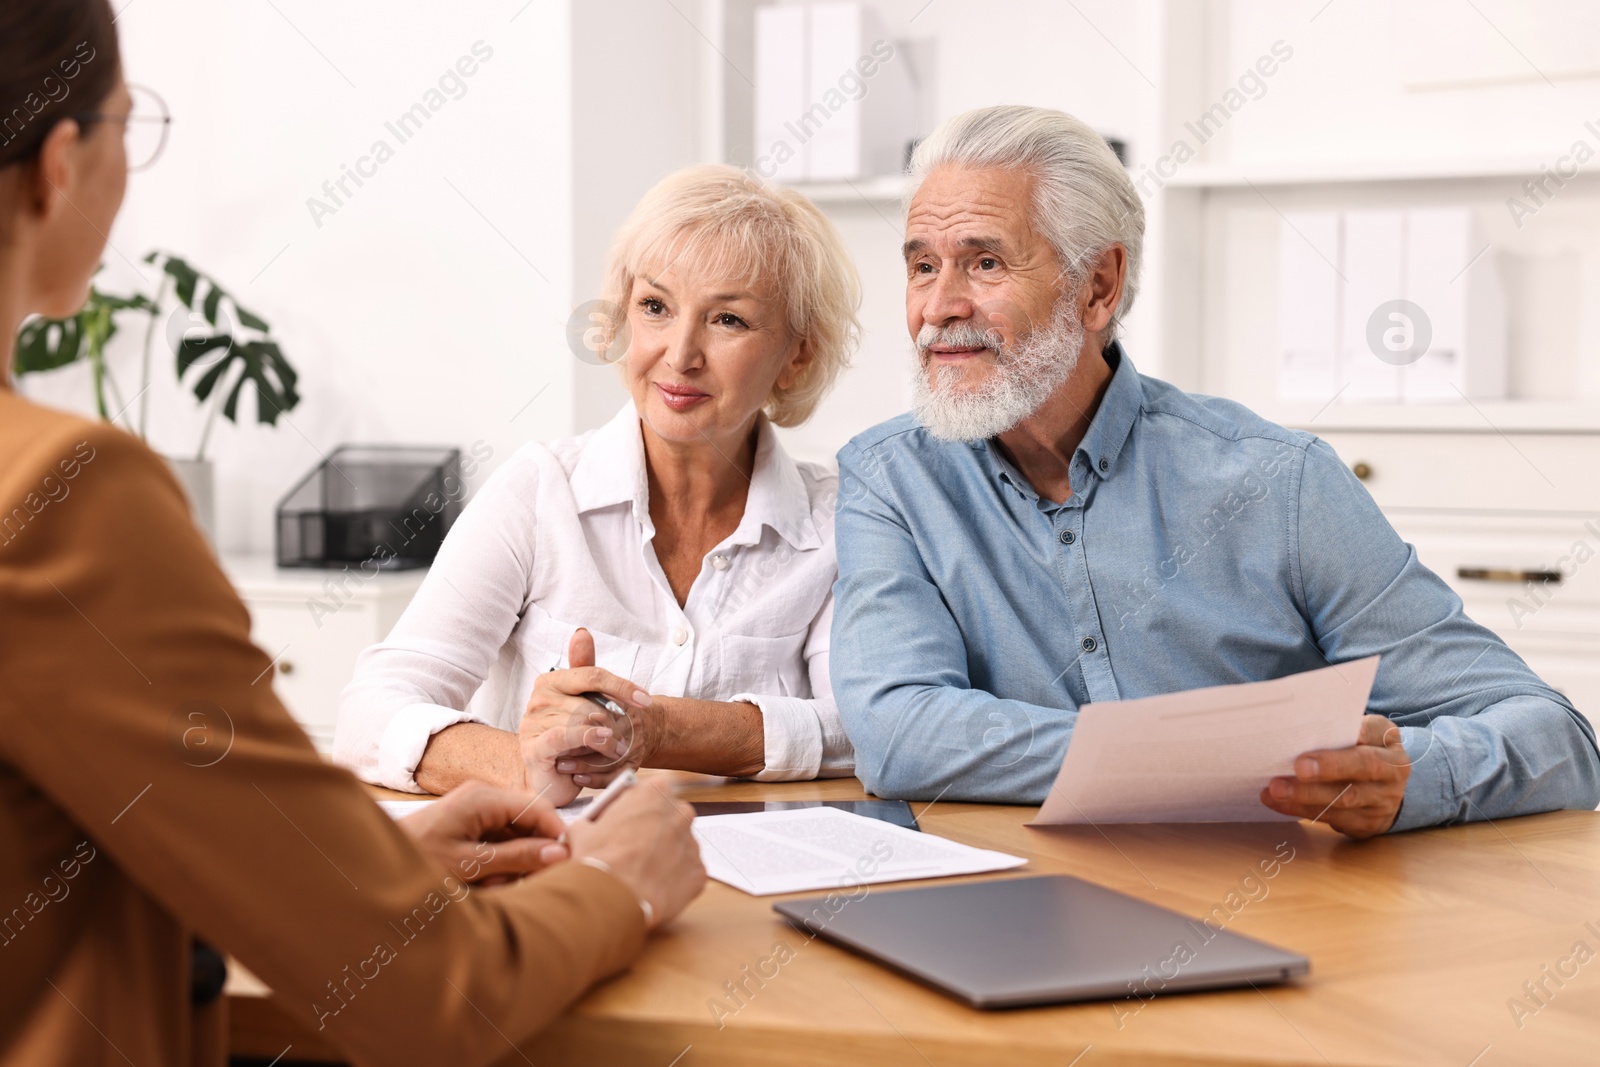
<point>782,78</point>
<point>1451,275</point>
<point>1308,306</point>
<point>1374,244</point>
<point>835,99</point>
<point>1395,281</point>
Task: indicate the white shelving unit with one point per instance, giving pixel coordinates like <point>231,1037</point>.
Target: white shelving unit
<point>1505,416</point>
<point>1221,176</point>
<point>1218,230</point>
<point>890,190</point>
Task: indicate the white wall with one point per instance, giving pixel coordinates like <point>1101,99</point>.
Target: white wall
<point>1387,81</point>
<point>637,69</point>
<point>410,316</point>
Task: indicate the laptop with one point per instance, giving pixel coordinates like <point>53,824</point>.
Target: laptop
<point>1053,939</point>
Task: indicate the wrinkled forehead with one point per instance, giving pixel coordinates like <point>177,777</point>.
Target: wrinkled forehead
<point>958,208</point>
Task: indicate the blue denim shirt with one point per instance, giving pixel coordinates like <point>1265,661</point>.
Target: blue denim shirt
<point>1202,545</point>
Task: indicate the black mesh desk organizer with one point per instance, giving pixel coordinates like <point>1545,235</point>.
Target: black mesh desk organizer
<point>384,506</point>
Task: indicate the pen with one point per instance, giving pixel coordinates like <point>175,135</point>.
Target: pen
<point>603,801</point>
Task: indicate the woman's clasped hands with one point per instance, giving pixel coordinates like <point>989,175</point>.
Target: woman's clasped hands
<point>568,741</point>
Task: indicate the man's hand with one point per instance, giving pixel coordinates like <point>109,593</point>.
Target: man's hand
<point>479,833</point>
<point>1356,790</point>
<point>567,741</point>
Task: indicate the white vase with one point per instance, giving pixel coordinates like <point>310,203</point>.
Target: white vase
<point>199,485</point>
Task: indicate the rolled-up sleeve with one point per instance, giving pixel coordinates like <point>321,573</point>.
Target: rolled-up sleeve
<point>1486,737</point>
<point>804,737</point>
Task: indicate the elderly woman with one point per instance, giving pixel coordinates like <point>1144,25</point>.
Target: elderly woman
<point>675,560</point>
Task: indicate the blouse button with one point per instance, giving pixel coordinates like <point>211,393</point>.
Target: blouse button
<point>680,635</point>
<point>719,562</point>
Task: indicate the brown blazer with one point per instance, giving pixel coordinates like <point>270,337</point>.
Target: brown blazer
<point>153,791</point>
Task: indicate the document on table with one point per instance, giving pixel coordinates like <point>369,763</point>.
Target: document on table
<point>1203,755</point>
<point>766,852</point>
<point>399,809</point>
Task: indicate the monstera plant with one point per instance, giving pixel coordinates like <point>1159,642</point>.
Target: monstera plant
<point>220,347</point>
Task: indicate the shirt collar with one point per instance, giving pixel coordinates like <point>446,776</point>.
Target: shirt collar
<point>1108,431</point>
<point>611,471</point>
<point>1113,420</point>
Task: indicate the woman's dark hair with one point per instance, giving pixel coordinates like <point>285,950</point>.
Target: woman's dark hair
<point>58,58</point>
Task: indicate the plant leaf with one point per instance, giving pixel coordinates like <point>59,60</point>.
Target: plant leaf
<point>45,344</point>
<point>208,380</point>
<point>184,278</point>
<point>250,319</point>
<point>190,349</point>
<point>209,308</point>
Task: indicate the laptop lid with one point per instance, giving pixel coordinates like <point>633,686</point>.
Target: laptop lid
<point>1051,939</point>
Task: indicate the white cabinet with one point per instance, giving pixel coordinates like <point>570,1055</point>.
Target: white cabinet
<point>1512,523</point>
<point>314,623</point>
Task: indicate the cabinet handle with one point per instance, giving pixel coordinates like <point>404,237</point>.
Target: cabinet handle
<point>1361,469</point>
<point>1500,574</point>
<point>285,667</point>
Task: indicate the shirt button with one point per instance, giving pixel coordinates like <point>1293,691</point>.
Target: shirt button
<point>1067,537</point>
<point>1089,644</point>
<point>1105,465</point>
<point>719,562</point>
<point>680,635</point>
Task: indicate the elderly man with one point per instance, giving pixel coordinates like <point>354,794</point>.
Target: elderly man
<point>1050,528</point>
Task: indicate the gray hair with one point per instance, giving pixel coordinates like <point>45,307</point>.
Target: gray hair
<point>1084,201</point>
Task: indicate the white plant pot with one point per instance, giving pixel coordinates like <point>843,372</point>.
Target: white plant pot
<point>199,485</point>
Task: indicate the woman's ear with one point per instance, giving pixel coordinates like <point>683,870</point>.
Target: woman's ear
<point>48,177</point>
<point>798,364</point>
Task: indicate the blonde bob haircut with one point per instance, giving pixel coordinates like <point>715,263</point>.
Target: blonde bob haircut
<point>727,222</point>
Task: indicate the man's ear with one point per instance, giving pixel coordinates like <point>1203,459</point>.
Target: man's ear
<point>49,182</point>
<point>1103,292</point>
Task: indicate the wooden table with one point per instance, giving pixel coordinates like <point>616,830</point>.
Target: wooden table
<point>1419,946</point>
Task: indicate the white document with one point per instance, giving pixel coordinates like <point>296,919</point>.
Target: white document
<point>802,849</point>
<point>1204,755</point>
<point>399,809</point>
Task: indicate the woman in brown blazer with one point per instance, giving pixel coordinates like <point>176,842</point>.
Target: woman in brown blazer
<point>126,845</point>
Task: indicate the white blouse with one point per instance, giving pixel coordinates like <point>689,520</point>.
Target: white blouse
<point>561,537</point>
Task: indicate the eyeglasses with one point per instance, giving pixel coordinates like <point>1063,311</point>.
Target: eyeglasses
<point>144,126</point>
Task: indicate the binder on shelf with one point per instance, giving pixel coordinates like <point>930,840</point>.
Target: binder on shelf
<point>1373,246</point>
<point>1308,302</point>
<point>1451,273</point>
<point>782,76</point>
<point>835,96</point>
<point>1389,306</point>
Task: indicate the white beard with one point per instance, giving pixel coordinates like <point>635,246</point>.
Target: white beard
<point>1025,373</point>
